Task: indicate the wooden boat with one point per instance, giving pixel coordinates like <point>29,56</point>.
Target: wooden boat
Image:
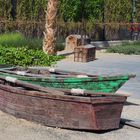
<point>58,109</point>
<point>94,83</point>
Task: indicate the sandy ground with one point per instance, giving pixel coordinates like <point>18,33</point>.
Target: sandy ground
<point>19,129</point>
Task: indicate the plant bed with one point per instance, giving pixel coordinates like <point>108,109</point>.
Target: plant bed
<point>15,49</point>
<point>26,57</point>
<point>126,48</point>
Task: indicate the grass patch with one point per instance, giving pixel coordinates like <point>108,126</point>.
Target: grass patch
<point>126,48</point>
<point>18,40</point>
<point>15,49</point>
<point>60,46</point>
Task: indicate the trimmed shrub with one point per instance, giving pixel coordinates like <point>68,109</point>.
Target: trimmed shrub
<point>15,49</point>
<point>126,48</point>
<point>26,57</point>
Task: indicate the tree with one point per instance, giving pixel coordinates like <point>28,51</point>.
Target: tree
<point>118,10</point>
<point>13,10</point>
<point>33,10</point>
<point>138,11</point>
<point>5,9</point>
<point>50,28</point>
<point>71,10</point>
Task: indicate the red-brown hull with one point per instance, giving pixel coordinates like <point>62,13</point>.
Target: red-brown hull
<point>72,112</point>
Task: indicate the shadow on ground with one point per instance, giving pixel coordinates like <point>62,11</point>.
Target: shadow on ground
<point>130,103</point>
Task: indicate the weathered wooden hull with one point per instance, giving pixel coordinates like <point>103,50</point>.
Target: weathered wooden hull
<point>107,84</point>
<point>64,111</point>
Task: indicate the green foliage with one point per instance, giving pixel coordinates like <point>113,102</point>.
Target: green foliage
<point>138,11</point>
<point>60,46</point>
<point>31,9</point>
<point>26,57</point>
<point>15,49</point>
<point>31,17</point>
<point>133,48</point>
<point>71,6</point>
<point>71,10</point>
<point>18,40</point>
<point>118,10</point>
<point>92,9</point>
<point>5,9</point>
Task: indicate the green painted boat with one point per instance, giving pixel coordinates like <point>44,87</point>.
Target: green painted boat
<point>69,80</point>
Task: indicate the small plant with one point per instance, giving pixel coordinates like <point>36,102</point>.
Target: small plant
<point>18,40</point>
<point>126,48</point>
<point>15,49</point>
<point>60,46</point>
<point>26,57</point>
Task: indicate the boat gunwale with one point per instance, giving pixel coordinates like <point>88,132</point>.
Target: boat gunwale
<point>91,78</point>
<point>86,79</point>
<point>71,98</point>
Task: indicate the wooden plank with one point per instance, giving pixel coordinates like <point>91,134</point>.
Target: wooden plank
<point>31,86</point>
<point>44,76</point>
<point>90,93</point>
<point>64,74</point>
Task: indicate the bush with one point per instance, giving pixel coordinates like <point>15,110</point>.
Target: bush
<point>60,46</point>
<point>15,49</point>
<point>18,40</point>
<point>26,57</point>
<point>126,48</point>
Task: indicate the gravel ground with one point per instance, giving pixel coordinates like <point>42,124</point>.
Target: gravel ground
<point>19,129</point>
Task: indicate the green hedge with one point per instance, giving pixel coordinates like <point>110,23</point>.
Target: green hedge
<point>26,57</point>
<point>15,49</point>
<point>18,40</point>
<point>126,48</point>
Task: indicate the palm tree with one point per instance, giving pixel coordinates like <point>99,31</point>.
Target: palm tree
<point>50,28</point>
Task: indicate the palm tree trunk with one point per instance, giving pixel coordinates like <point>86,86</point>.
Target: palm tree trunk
<point>50,28</point>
